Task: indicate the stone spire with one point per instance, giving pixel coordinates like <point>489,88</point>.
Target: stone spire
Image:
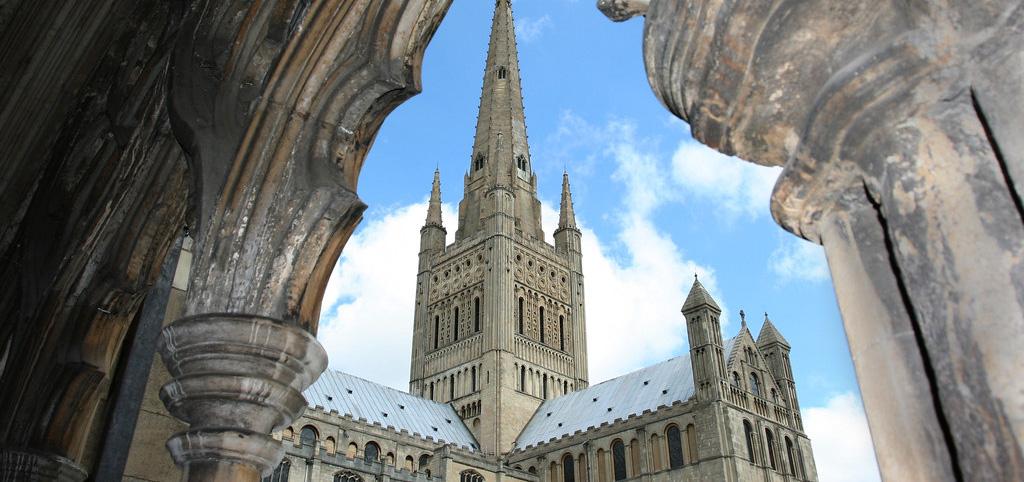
<point>501,153</point>
<point>434,207</point>
<point>699,297</point>
<point>566,215</point>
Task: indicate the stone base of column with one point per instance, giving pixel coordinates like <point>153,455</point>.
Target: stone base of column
<point>236,379</point>
<point>26,465</point>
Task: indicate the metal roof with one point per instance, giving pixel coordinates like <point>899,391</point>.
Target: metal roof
<point>375,404</point>
<point>630,394</point>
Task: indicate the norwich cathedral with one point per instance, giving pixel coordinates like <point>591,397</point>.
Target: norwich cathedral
<point>498,387</point>
<point>180,180</point>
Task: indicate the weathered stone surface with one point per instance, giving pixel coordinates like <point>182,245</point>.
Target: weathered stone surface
<point>94,192</point>
<point>897,120</point>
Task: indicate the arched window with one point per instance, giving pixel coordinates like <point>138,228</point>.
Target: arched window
<point>329,445</point>
<point>748,431</point>
<point>553,472</point>
<point>770,438</point>
<point>602,472</point>
<point>409,463</point>
<point>288,434</point>
<point>619,460</point>
<point>522,378</point>
<point>634,457</point>
<point>371,453</point>
<point>542,324</point>
<point>755,385</point>
<point>735,379</point>
<point>775,396</point>
<point>675,447</point>
<point>451,387</point>
<point>561,332</point>
<point>476,314</point>
<point>565,387</point>
<point>347,476</point>
<point>479,163</point>
<point>520,315</point>
<point>352,449</point>
<point>308,436</point>
<point>280,474</point>
<point>502,72</point>
<point>691,444</point>
<point>390,459</point>
<point>789,455</point>
<point>581,462</point>
<point>545,387</point>
<point>521,162</point>
<point>424,462</point>
<point>655,453</point>
<point>455,331</point>
<point>470,476</point>
<point>437,330</point>
<point>568,468</point>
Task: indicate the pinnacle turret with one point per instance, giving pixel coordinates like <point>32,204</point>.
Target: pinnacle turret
<point>566,214</point>
<point>434,206</point>
<point>699,297</point>
<point>769,334</point>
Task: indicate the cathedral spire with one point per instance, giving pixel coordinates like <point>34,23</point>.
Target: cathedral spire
<point>500,147</point>
<point>566,215</point>
<point>434,207</point>
<point>501,154</point>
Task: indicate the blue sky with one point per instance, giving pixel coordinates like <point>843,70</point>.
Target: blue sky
<point>655,207</point>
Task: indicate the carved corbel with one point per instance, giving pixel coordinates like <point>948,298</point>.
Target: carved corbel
<point>277,104</point>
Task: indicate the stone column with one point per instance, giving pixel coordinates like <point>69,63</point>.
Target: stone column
<point>899,135</point>
<point>276,104</point>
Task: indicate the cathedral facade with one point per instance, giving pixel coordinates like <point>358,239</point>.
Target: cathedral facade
<point>499,388</point>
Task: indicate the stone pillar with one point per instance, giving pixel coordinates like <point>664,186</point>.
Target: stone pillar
<point>899,135</point>
<point>276,109</point>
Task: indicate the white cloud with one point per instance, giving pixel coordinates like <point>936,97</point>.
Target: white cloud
<point>370,298</point>
<point>797,259</point>
<point>732,185</point>
<point>842,443</point>
<point>530,29</point>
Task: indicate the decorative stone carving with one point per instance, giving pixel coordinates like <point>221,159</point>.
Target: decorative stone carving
<point>898,130</point>
<point>236,379</point>
<point>31,466</point>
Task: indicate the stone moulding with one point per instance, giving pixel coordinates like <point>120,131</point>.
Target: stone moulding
<point>240,371</point>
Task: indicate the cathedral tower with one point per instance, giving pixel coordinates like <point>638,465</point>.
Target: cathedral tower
<point>499,320</point>
<point>707,355</point>
<point>775,349</point>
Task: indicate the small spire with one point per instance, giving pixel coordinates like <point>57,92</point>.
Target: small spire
<point>434,207</point>
<point>743,319</point>
<point>769,334</point>
<point>699,297</point>
<point>566,215</point>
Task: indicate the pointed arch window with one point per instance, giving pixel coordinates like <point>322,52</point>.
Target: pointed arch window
<point>431,390</point>
<point>521,162</point>
<point>755,385</point>
<point>561,332</point>
<point>522,378</point>
<point>735,379</point>
<point>451,387</point>
<point>748,432</point>
<point>455,331</point>
<point>521,301</point>
<point>542,324</point>
<point>479,162</point>
<point>476,314</point>
<point>437,330</point>
<point>502,72</point>
<point>472,372</point>
<point>675,447</point>
<point>545,386</point>
<point>770,438</point>
<point>789,456</point>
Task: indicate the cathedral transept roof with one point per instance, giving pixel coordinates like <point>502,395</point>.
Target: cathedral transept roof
<point>631,394</point>
<point>376,404</point>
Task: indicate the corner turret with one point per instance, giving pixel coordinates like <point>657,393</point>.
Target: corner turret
<point>705,335</point>
<point>567,236</point>
<point>775,349</point>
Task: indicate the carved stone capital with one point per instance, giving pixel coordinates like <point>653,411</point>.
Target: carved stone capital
<point>24,465</point>
<point>236,378</point>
